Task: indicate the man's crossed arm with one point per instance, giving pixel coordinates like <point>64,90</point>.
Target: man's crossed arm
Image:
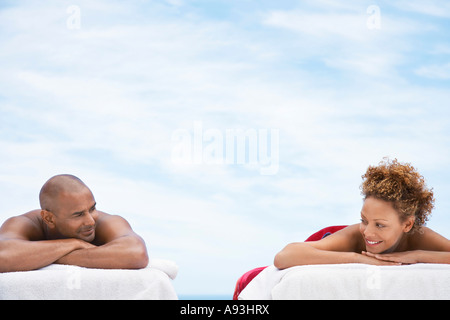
<point>120,247</point>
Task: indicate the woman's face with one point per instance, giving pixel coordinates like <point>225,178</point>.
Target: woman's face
<point>381,226</point>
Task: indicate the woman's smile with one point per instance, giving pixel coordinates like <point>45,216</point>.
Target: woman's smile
<point>373,243</point>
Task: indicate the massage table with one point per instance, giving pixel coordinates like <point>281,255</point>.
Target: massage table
<point>350,282</point>
<point>344,281</point>
<point>65,282</point>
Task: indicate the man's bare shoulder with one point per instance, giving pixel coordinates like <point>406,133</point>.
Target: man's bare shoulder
<point>105,219</point>
<point>27,226</point>
<point>110,227</point>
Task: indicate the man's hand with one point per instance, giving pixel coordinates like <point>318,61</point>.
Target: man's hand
<point>126,252</point>
<point>84,245</point>
<point>81,245</point>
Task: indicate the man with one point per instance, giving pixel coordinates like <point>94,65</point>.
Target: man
<point>69,230</point>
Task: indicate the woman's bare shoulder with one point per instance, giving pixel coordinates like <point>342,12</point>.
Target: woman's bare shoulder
<point>428,239</point>
<point>347,239</point>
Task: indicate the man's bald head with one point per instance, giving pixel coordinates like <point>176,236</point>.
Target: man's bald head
<point>57,185</point>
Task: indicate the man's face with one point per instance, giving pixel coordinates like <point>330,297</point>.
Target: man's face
<point>76,215</point>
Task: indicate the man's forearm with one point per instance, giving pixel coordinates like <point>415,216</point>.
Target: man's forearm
<point>23,255</point>
<point>123,253</point>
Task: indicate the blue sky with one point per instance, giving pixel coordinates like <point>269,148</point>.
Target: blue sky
<point>101,95</point>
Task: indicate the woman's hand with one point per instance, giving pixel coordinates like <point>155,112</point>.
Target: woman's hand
<point>369,259</point>
<point>406,257</point>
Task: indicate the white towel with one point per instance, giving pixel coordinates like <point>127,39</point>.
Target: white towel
<point>167,266</point>
<point>260,288</point>
<point>351,281</point>
<point>61,282</point>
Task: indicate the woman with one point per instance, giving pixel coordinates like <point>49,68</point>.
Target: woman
<point>397,203</point>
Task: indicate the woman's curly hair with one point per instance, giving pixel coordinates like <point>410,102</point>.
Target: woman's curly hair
<point>403,186</point>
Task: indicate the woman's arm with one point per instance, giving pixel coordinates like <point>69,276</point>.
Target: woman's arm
<point>340,247</point>
<point>302,253</point>
<point>415,256</point>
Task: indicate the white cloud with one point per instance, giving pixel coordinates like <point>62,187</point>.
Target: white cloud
<point>176,3</point>
<point>103,101</point>
<point>437,8</point>
<point>343,41</point>
<point>348,26</point>
<point>440,72</point>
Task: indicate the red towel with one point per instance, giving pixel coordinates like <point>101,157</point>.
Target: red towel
<point>324,232</point>
<point>245,279</point>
